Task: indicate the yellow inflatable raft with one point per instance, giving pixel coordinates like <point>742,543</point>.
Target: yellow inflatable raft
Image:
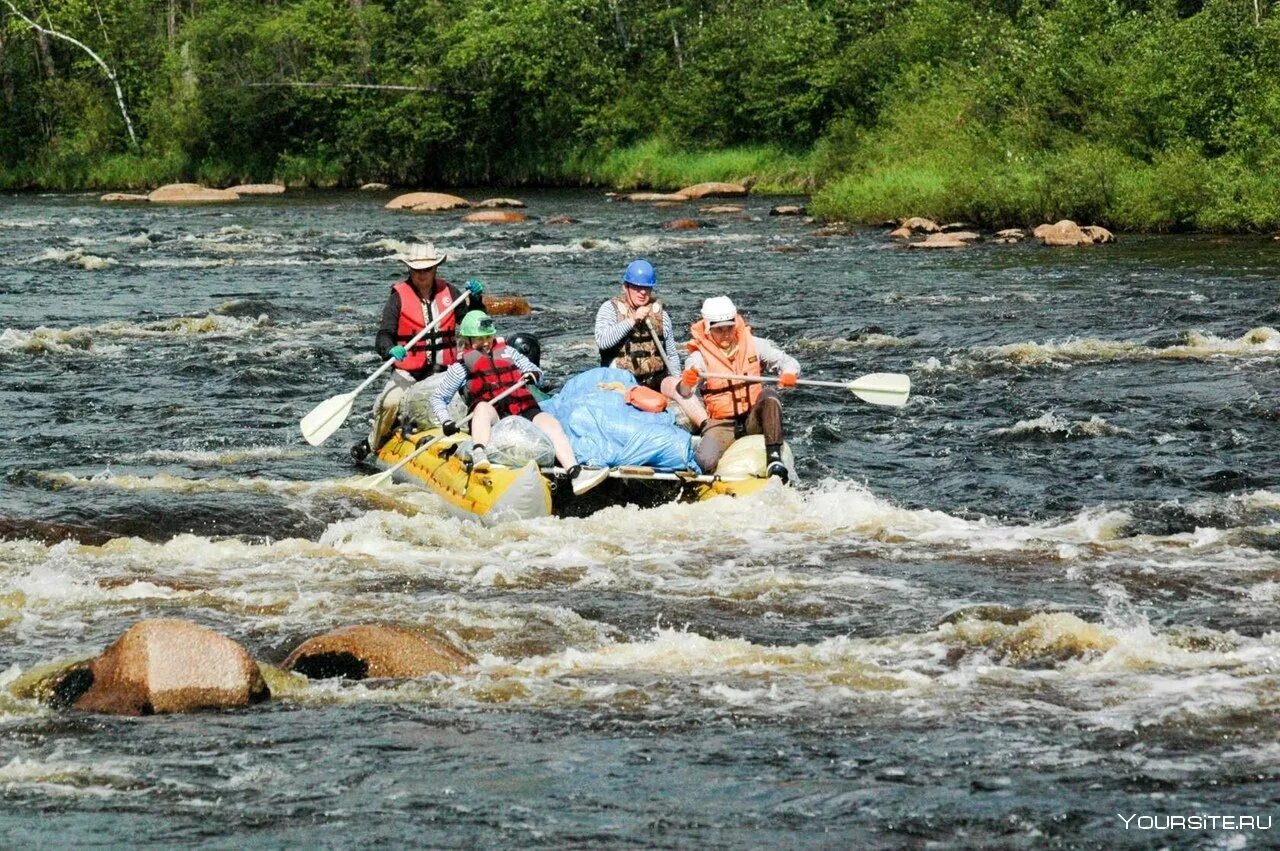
<point>509,493</point>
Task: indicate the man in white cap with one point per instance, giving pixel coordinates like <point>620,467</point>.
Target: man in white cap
<point>723,343</point>
<point>413,305</point>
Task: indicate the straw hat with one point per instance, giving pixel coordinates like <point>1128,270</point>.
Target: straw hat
<point>422,256</point>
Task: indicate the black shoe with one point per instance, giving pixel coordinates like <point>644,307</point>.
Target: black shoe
<point>777,469</point>
<point>360,451</point>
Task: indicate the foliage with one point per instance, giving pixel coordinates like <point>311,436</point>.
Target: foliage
<point>1152,114</point>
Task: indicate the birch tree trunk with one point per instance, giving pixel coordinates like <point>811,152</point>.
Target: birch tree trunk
<point>42,32</point>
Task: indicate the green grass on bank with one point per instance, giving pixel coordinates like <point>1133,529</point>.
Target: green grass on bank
<point>655,164</point>
<point>652,164</point>
<point>963,174</point>
<point>1179,191</point>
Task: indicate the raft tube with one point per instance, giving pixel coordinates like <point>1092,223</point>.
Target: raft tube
<point>507,493</point>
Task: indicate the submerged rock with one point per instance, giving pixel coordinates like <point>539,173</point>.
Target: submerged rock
<point>1010,235</point>
<point>123,198</point>
<point>917,224</point>
<point>561,220</point>
<point>161,666</point>
<point>1099,235</point>
<point>494,203</point>
<point>494,217</point>
<point>1067,232</point>
<point>376,650</point>
<point>258,189</point>
<point>506,305</point>
<point>651,197</point>
<point>682,224</point>
<point>959,239</point>
<point>787,210</point>
<point>374,187</point>
<point>190,193</point>
<point>426,202</point>
<point>714,190</point>
<point>723,209</point>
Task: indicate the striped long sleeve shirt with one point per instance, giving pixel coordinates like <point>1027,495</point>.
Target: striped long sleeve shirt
<point>456,376</point>
<point>610,331</point>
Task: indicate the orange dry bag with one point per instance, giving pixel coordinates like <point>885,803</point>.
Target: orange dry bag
<point>646,400</point>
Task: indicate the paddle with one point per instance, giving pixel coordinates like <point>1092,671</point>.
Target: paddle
<point>325,418</point>
<point>378,478</point>
<point>878,388</point>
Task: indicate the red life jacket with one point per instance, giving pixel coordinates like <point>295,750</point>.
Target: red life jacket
<point>489,375</point>
<point>413,319</point>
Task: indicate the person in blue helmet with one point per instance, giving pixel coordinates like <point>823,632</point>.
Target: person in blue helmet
<point>633,332</point>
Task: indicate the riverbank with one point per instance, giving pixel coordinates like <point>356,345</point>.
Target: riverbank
<point>653,164</point>
<point>964,176</point>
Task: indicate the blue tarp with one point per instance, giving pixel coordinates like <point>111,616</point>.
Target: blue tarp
<point>605,431</point>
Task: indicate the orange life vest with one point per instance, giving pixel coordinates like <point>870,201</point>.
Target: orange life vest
<point>489,375</point>
<point>728,400</point>
<point>413,319</point>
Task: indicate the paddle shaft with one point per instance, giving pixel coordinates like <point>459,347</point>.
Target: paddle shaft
<point>379,478</point>
<point>773,379</point>
<point>416,338</point>
<point>325,418</point>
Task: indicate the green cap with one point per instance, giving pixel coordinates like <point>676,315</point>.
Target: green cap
<point>477,324</point>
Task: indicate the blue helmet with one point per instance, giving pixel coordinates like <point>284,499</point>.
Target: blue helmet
<point>640,274</point>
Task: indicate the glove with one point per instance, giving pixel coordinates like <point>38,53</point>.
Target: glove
<point>398,352</point>
<point>449,427</point>
<point>787,379</point>
<point>529,378</point>
<point>475,286</point>
<point>689,378</point>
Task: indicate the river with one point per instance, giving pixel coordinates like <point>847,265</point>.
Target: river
<point>1042,594</point>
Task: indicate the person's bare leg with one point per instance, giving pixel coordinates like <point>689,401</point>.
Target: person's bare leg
<point>550,426</point>
<point>482,420</point>
<point>692,406</point>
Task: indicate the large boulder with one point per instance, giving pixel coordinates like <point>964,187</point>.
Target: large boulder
<point>1063,233</point>
<point>160,666</point>
<point>191,193</point>
<point>376,650</point>
<point>506,305</point>
<point>495,217</point>
<point>257,189</point>
<point>714,190</point>
<point>426,202</point>
<point>123,198</point>
<point>495,203</point>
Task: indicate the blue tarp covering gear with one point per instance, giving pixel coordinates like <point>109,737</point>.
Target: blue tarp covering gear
<point>605,431</point>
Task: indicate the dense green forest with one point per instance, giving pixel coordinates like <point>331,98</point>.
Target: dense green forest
<point>1149,114</point>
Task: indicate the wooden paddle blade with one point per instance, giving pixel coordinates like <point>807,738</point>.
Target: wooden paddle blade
<point>882,388</point>
<point>325,418</point>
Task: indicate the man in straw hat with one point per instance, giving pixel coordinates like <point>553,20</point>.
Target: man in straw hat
<point>413,305</point>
